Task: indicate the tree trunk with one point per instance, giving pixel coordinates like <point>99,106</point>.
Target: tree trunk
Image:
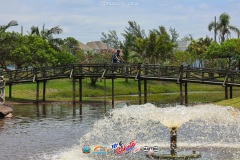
<point>93,81</point>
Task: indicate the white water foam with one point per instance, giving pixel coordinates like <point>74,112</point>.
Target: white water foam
<point>205,126</point>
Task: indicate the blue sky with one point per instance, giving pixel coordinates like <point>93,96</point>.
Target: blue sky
<point>85,20</point>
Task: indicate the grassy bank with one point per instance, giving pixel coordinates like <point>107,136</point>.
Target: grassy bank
<point>235,102</point>
<point>160,92</point>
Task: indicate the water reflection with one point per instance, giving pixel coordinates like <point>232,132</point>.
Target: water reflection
<point>46,128</point>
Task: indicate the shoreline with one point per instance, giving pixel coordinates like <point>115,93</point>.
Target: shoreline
<point>9,103</point>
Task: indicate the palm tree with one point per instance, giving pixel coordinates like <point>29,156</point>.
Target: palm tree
<point>47,34</point>
<point>197,48</point>
<point>127,46</point>
<point>140,49</point>
<point>4,27</point>
<point>223,27</point>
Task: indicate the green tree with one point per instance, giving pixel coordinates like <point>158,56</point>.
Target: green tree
<point>47,34</point>
<point>159,47</point>
<point>64,58</point>
<point>131,33</point>
<point>187,38</point>
<point>4,37</point>
<point>160,44</point>
<point>111,39</point>
<point>174,35</point>
<point>3,28</point>
<point>20,54</point>
<point>28,50</point>
<point>228,51</point>
<point>70,45</point>
<point>164,49</point>
<point>127,46</point>
<point>97,58</point>
<point>135,30</point>
<point>140,48</point>
<point>10,42</point>
<point>181,58</point>
<point>223,27</point>
<point>197,48</point>
<point>161,31</point>
<point>41,51</point>
<point>151,47</point>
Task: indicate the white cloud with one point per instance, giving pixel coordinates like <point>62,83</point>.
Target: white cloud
<point>86,20</point>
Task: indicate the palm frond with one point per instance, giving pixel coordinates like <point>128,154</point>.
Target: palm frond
<point>10,24</point>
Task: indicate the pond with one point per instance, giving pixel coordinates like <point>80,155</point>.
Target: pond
<point>58,131</point>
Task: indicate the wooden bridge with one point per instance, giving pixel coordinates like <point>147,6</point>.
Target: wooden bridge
<point>140,72</point>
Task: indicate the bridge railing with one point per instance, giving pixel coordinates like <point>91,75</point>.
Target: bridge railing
<point>87,70</point>
<point>233,77</point>
<point>159,71</point>
<point>105,70</point>
<point>54,72</point>
<point>14,76</point>
<point>136,71</point>
<point>204,74</point>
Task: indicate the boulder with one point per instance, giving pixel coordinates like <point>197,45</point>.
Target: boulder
<point>5,111</point>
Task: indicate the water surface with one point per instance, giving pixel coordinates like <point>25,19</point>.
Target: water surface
<point>58,131</point>
<point>45,129</point>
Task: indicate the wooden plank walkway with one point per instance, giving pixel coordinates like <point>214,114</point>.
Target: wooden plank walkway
<point>136,71</point>
<point>140,72</point>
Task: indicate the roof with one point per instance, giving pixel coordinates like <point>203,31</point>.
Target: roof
<point>84,47</point>
<point>99,45</point>
<point>183,45</point>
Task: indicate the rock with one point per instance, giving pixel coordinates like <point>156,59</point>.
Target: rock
<point>5,110</point>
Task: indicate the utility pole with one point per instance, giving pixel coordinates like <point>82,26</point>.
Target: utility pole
<point>21,30</point>
<point>215,29</point>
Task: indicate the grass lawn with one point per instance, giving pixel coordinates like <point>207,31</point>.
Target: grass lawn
<point>158,91</point>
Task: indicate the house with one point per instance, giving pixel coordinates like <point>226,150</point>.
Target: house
<point>85,48</point>
<point>182,45</point>
<point>99,46</point>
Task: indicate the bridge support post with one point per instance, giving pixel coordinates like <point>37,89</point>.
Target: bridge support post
<point>44,90</point>
<point>105,96</point>
<point>37,92</point>
<point>186,94</point>
<point>105,92</point>
<point>80,95</point>
<point>181,95</point>
<point>230,92</point>
<point>139,83</point>
<point>139,92</point>
<point>226,92</point>
<point>10,91</point>
<point>74,90</point>
<point>112,93</point>
<point>145,91</point>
